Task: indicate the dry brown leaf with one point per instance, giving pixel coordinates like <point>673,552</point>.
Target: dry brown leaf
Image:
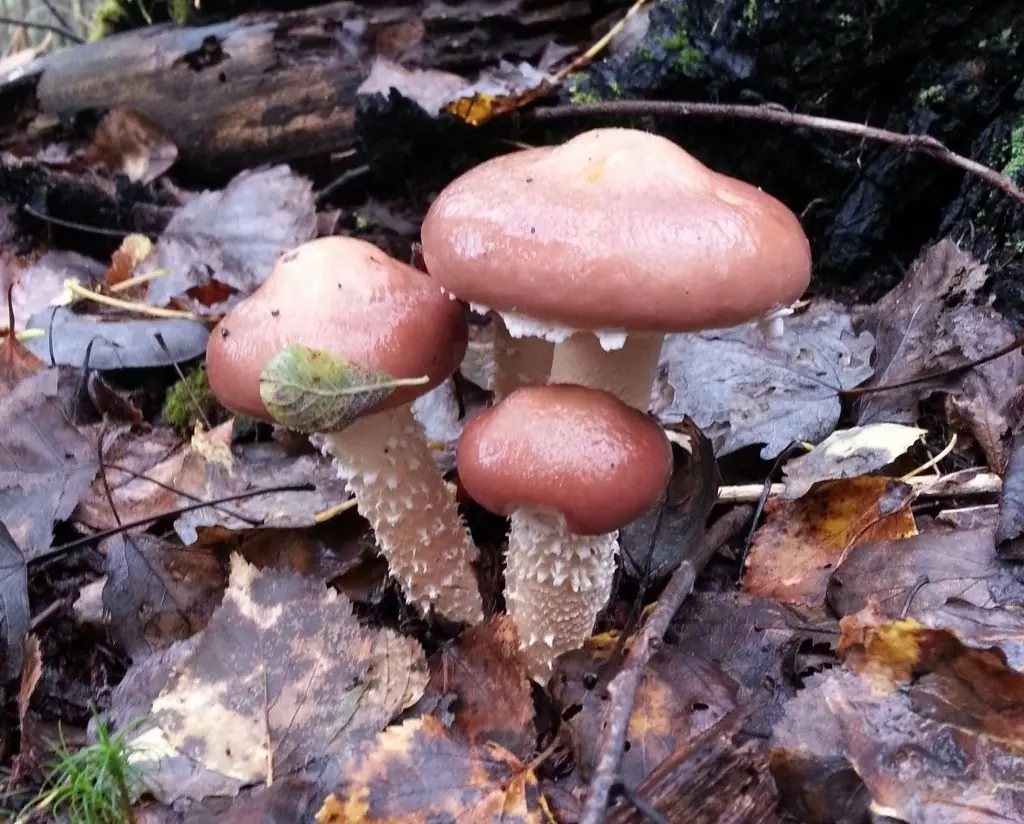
<point>284,674</point>
<point>679,697</point>
<point>792,555</point>
<point>129,142</point>
<point>419,772</point>
<point>133,250</point>
<point>920,573</point>
<point>487,678</point>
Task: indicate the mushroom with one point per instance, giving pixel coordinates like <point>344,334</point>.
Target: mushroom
<point>606,243</point>
<point>569,466</point>
<point>338,342</point>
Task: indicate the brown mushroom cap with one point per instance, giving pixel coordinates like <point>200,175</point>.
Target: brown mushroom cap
<point>580,452</point>
<point>348,298</point>
<point>617,228</point>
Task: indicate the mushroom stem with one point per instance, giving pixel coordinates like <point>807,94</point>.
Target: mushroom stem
<point>556,584</point>
<point>518,361</point>
<point>398,488</point>
<point>628,372</point>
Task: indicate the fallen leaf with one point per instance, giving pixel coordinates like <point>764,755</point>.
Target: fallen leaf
<point>487,679</point>
<point>936,319</point>
<point>935,729</point>
<point>14,607</point>
<point>742,390</point>
<point>40,283</point>
<point>1010,528</point>
<point>849,453</point>
<point>129,142</point>
<point>931,567</point>
<point>133,250</point>
<point>793,553</point>
<point>679,697</point>
<point>232,237</point>
<point>157,593</point>
<point>31,670</point>
<point>975,626</point>
<point>114,342</point>
<point>284,674</point>
<point>46,465</point>
<point>419,772</point>
<point>16,362</point>
<point>659,540</point>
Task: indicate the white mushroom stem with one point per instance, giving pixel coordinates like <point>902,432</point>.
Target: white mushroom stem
<point>556,584</point>
<point>627,372</point>
<point>518,361</point>
<point>398,488</point>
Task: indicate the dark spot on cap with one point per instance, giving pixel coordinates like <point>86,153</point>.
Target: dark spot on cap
<point>275,313</point>
<point>224,332</point>
<point>288,257</point>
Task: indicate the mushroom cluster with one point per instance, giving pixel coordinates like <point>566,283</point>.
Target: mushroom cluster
<point>587,254</point>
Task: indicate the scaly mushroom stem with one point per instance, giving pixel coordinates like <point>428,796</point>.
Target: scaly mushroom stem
<point>628,372</point>
<point>556,584</point>
<point>518,361</point>
<point>387,463</point>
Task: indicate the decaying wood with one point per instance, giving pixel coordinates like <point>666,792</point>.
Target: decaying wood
<point>271,87</point>
<point>712,780</point>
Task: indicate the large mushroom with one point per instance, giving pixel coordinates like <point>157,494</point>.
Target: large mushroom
<point>338,341</point>
<point>569,466</point>
<point>604,244</point>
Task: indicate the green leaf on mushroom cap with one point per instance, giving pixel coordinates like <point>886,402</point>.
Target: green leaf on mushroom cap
<point>311,390</point>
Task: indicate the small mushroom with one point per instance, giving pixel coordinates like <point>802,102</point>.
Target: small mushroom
<point>606,243</point>
<point>570,466</point>
<point>339,341</point>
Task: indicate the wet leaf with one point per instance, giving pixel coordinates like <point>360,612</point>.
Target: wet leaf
<point>116,343</point>
<point>936,319</point>
<point>232,238</point>
<point>849,453</point>
<point>1010,528</point>
<point>485,676</point>
<point>1001,627</point>
<point>16,362</point>
<point>14,607</point>
<point>129,142</point>
<point>793,553</point>
<point>419,772</point>
<point>157,593</point>
<point>679,697</point>
<point>742,390</point>
<point>311,391</point>
<point>931,567</point>
<point>934,728</point>
<point>284,674</point>
<point>691,495</point>
<point>46,464</point>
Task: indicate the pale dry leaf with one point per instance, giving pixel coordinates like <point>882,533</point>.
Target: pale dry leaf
<point>232,238</point>
<point>129,142</point>
<point>38,284</point>
<point>284,674</point>
<point>46,464</point>
<point>849,453</point>
<point>742,390</point>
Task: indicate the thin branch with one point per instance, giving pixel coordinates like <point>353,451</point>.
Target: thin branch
<point>773,113</point>
<point>50,7</point>
<point>30,24</point>
<point>622,689</point>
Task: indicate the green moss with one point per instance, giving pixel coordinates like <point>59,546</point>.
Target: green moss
<point>179,11</point>
<point>105,19</point>
<point>578,94</point>
<point>931,96</point>
<point>750,12</point>
<point>1016,161</point>
<point>679,47</point>
<point>180,404</point>
<point>616,91</point>
<point>845,20</point>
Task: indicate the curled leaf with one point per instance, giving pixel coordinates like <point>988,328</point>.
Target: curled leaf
<point>311,390</point>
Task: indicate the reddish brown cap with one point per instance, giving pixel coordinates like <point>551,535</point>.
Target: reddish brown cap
<point>615,228</point>
<point>348,298</point>
<point>581,452</point>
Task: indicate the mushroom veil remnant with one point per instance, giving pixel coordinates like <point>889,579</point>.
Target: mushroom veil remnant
<point>570,466</point>
<point>606,243</point>
<point>339,340</point>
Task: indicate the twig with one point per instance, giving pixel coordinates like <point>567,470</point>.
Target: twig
<point>62,21</point>
<point>79,291</point>
<point>30,24</point>
<point>947,486</point>
<point>622,689</point>
<point>773,113</point>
